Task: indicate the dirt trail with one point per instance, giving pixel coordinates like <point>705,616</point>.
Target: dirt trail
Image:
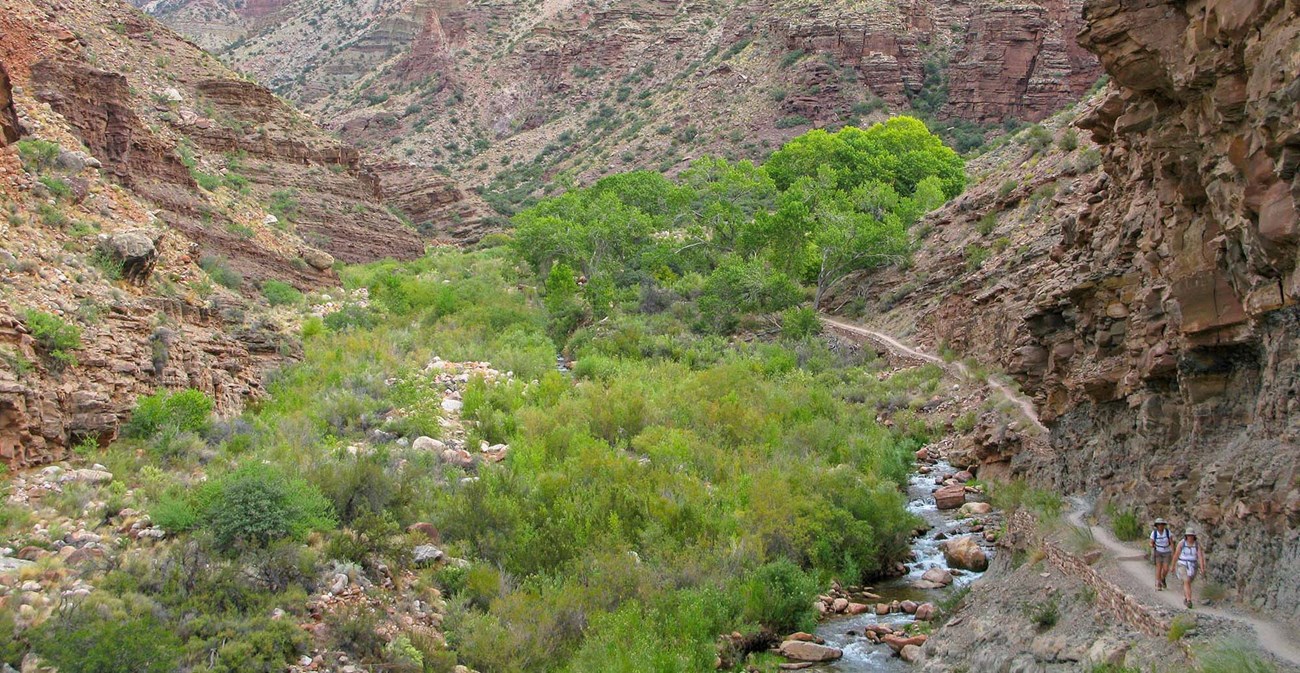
<point>1270,636</point>
<point>1025,405</point>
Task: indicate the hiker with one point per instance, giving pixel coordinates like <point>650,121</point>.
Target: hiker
<point>1191,561</point>
<point>1162,551</point>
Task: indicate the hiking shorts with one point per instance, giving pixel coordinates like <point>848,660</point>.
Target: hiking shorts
<point>1164,556</point>
<point>1187,569</point>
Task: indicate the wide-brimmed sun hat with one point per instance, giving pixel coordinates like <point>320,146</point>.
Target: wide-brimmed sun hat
<point>1161,522</point>
<point>1190,532</point>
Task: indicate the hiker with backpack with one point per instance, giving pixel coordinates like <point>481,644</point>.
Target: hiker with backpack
<point>1162,551</point>
<point>1191,562</point>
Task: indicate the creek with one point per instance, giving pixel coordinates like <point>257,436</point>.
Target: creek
<point>860,654</point>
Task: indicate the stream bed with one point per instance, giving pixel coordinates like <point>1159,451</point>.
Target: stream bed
<point>860,654</point>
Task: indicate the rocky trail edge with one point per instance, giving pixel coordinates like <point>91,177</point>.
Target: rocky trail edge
<point>1270,636</point>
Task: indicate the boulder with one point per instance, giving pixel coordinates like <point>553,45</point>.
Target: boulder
<point>897,642</point>
<point>938,576</point>
<point>882,609</point>
<point>950,497</point>
<point>856,608</point>
<point>426,554</point>
<point>89,476</point>
<point>965,552</point>
<point>912,654</point>
<point>427,444</point>
<point>803,637</point>
<point>317,259</point>
<point>975,509</point>
<point>926,611</point>
<point>840,605</point>
<point>804,651</point>
<point>425,529</point>
<point>909,607</point>
<point>135,250</point>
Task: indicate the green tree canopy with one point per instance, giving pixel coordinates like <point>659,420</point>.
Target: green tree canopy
<point>900,152</point>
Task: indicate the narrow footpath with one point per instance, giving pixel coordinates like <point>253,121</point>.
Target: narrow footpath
<point>1025,405</point>
<point>1271,636</point>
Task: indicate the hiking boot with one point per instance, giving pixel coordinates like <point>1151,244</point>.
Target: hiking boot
<point>1189,604</point>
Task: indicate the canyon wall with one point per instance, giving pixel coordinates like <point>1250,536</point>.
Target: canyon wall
<point>488,90</point>
<point>150,196</point>
<point>1134,270</point>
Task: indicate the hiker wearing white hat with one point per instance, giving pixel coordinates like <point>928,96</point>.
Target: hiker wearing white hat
<point>1191,562</point>
<point>1162,551</point>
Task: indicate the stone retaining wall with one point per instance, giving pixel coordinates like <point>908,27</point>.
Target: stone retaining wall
<point>1022,532</point>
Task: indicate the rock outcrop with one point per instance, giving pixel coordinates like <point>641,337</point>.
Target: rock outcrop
<point>158,192</point>
<point>9,128</point>
<point>1141,283</point>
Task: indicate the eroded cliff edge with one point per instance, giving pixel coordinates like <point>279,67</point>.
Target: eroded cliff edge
<point>1149,306</point>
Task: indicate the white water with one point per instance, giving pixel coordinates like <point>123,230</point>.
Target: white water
<point>861,654</point>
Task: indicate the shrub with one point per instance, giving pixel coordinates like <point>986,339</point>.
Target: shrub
<point>799,323</point>
<point>284,205</point>
<point>56,338</point>
<point>58,188</point>
<point>1126,526</point>
<point>186,411</point>
<point>258,504</point>
<point>780,595</point>
<point>1180,626</point>
<point>279,293</point>
<point>219,269</point>
<point>976,255</point>
<point>1069,140</point>
<point>51,216</point>
<point>792,121</point>
<point>87,641</point>
<point>1044,614</point>
<point>1007,187</point>
<point>1087,160</point>
<point>37,155</point>
<point>107,263</point>
<point>207,181</point>
<point>987,223</point>
<point>1037,138</point>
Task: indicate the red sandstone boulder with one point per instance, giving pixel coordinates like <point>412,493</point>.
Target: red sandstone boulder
<point>950,497</point>
<point>965,553</point>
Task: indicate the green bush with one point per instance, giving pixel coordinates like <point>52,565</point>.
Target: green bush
<point>87,641</point>
<point>792,121</point>
<point>37,155</point>
<point>258,504</point>
<point>1126,525</point>
<point>1069,140</point>
<point>219,269</point>
<point>279,293</point>
<point>780,595</point>
<point>188,410</point>
<point>58,188</point>
<point>800,323</point>
<point>1044,614</point>
<point>56,338</point>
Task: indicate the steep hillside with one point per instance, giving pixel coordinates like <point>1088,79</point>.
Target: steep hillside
<point>150,193</point>
<point>516,93</point>
<point>1149,307</point>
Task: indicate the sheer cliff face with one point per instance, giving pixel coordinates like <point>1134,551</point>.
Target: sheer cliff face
<point>481,87</point>
<point>1150,306</point>
<point>1184,393</point>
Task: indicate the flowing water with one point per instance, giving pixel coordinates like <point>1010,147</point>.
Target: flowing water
<point>861,654</point>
